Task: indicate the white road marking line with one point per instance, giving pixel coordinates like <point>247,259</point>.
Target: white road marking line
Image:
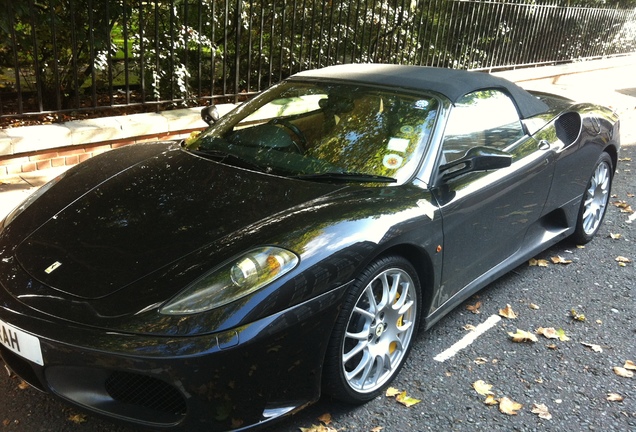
<point>468,339</point>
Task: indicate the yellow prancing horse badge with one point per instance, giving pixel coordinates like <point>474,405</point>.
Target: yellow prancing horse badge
<point>50,269</point>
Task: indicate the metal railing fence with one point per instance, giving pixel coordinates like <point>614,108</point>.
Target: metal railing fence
<point>58,56</point>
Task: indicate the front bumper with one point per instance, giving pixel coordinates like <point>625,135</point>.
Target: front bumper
<point>231,380</point>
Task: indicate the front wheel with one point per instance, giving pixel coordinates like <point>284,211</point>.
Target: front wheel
<point>595,200</point>
<point>374,331</point>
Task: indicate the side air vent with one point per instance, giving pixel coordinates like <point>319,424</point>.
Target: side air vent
<point>568,127</point>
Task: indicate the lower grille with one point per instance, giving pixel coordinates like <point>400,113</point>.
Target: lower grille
<point>145,391</point>
<point>21,367</point>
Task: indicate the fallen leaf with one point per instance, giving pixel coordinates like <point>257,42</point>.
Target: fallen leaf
<point>325,418</point>
<point>407,401</point>
<point>507,312</point>
<point>482,387</point>
<point>376,429</point>
<point>614,397</point>
<point>491,400</point>
<point>548,332</point>
<point>629,365</point>
<point>542,411</point>
<point>625,159</point>
<point>622,372</point>
<point>537,262</point>
<point>77,418</point>
<point>595,348</point>
<point>560,260</point>
<point>474,308</point>
<point>508,406</point>
<point>580,246</point>
<point>562,336</point>
<point>6,422</point>
<point>623,206</point>
<point>318,428</point>
<point>533,306</point>
<point>23,385</point>
<point>553,346</point>
<point>522,336</point>
<point>469,327</point>
<point>481,360</point>
<point>577,316</point>
<point>392,391</point>
<point>622,261</point>
<point>615,236</point>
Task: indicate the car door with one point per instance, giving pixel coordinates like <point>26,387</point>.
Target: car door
<point>486,214</point>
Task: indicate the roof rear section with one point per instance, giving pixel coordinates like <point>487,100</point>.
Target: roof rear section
<point>451,83</point>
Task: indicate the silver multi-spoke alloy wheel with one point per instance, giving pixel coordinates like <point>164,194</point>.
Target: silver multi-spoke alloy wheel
<point>596,198</point>
<point>379,330</point>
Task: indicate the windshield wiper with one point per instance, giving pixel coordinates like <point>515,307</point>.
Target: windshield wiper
<point>230,158</point>
<point>347,177</point>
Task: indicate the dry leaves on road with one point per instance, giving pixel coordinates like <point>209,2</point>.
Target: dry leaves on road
<point>401,397</point>
<point>508,406</point>
<point>594,347</point>
<point>474,308</point>
<point>622,261</point>
<point>622,372</point>
<point>614,397</point>
<point>577,316</point>
<point>623,206</point>
<point>507,312</point>
<point>522,336</point>
<point>542,411</point>
<point>77,418</point>
<point>483,388</point>
<point>537,262</point>
<point>560,260</point>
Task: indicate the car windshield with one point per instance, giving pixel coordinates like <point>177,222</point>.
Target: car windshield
<point>325,132</point>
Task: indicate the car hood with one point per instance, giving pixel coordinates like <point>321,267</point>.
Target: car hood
<point>164,205</point>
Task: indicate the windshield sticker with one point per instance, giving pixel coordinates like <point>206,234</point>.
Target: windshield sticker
<point>421,104</point>
<point>398,144</point>
<point>392,161</point>
<point>406,129</point>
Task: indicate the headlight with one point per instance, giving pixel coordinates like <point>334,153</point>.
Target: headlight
<point>232,280</point>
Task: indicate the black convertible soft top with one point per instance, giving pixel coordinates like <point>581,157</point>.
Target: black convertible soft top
<point>451,83</point>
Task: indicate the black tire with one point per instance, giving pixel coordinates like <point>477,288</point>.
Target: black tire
<point>595,200</point>
<point>376,327</point>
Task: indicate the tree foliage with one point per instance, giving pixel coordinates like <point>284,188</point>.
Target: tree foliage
<point>182,50</point>
<point>57,44</point>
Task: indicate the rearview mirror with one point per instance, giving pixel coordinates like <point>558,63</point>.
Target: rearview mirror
<point>476,159</point>
<point>210,114</point>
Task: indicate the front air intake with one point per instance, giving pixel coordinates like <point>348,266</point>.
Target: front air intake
<point>145,391</point>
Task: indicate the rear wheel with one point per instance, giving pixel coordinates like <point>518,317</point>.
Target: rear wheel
<point>374,331</point>
<point>595,200</point>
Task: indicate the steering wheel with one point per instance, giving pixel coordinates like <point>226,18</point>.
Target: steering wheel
<point>302,140</point>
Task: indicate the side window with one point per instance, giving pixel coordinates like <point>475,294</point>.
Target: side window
<point>482,118</point>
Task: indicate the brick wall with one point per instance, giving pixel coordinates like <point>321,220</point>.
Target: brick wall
<point>72,155</point>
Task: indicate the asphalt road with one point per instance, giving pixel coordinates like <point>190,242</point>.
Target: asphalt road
<point>569,378</point>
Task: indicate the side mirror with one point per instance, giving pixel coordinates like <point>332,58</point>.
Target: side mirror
<point>476,159</point>
<point>210,114</point>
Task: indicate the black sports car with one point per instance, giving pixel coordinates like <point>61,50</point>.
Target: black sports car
<point>295,246</point>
